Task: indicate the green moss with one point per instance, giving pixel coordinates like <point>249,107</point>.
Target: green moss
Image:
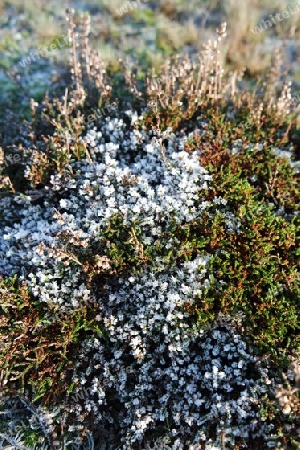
<point>255,267</point>
<point>38,352</point>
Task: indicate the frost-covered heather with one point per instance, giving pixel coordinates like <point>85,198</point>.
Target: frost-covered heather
<point>151,379</point>
<point>182,387</point>
<point>156,188</point>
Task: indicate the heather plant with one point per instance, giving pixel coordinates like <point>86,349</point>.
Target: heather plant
<point>149,280</point>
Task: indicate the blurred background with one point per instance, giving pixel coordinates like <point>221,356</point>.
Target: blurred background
<point>146,31</point>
